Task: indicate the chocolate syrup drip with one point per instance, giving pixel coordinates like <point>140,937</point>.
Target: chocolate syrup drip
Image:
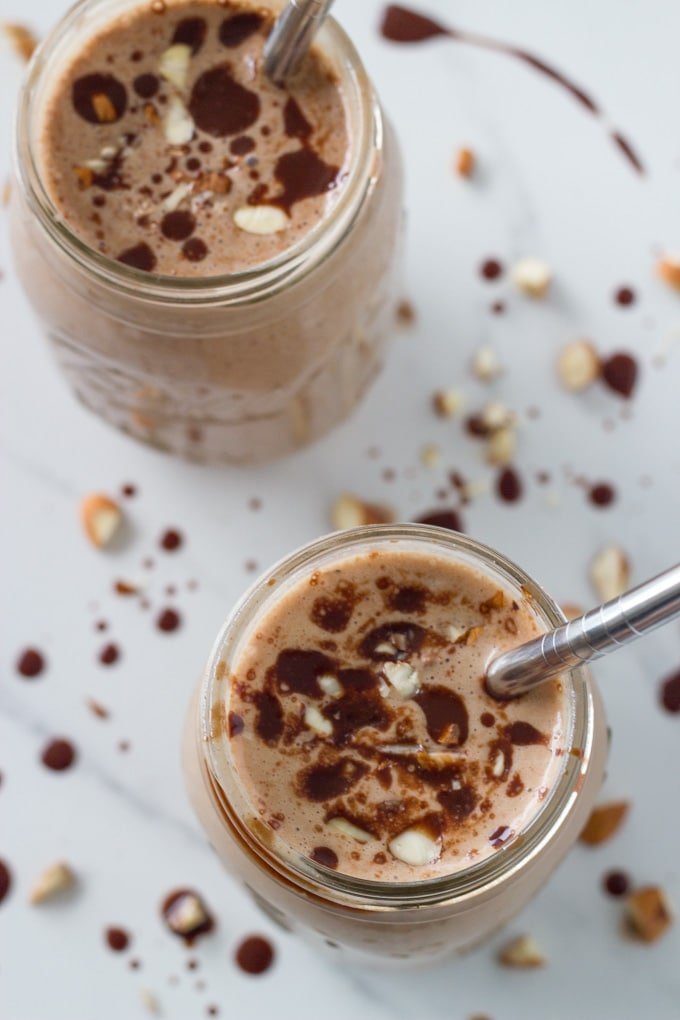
<point>625,296</point>
<point>332,615</point>
<point>139,257</point>
<point>325,856</point>
<point>168,620</point>
<point>269,722</point>
<point>302,174</point>
<point>195,249</point>
<point>515,786</point>
<point>404,638</point>
<point>409,599</point>
<point>326,782</point>
<point>177,226</point>
<point>242,145</point>
<point>357,679</point>
<point>117,939</point>
<point>491,269</point>
<point>295,124</point>
<point>109,654</point>
<point>84,95</point>
<point>442,519</point>
<point>30,663</point>
<point>255,955</point>
<point>509,485</point>
<point>445,713</point>
<point>670,693</point>
<point>236,724</point>
<point>402,25</point>
<point>171,539</point>
<point>487,719</point>
<point>146,85</point>
<point>238,28</point>
<point>354,711</point>
<point>190,32</point>
<point>458,804</point>
<point>602,494</point>
<point>5,880</point>
<point>220,106</point>
<point>616,883</point>
<point>298,670</point>
<point>112,178</point>
<point>500,836</point>
<point>521,734</point>
<point>58,755</point>
<point>619,373</point>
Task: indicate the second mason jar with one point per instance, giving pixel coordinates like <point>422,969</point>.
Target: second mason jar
<point>237,368</point>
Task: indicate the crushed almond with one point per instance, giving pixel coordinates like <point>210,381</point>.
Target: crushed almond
<point>668,269</point>
<point>350,512</point>
<point>447,403</point>
<point>501,447</point>
<point>430,456</point>
<point>578,365</point>
<point>610,572</point>
<point>522,952</point>
<point>648,913</point>
<point>21,38</point>
<point>101,517</point>
<point>485,364</point>
<point>465,162</point>
<point>604,822</point>
<point>104,109</point>
<point>532,277</point>
<point>52,882</point>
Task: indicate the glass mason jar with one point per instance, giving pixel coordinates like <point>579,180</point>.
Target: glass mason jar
<point>421,921</point>
<point>238,368</point>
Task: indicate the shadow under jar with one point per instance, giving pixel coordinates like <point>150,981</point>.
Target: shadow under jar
<point>237,368</point>
<point>363,900</point>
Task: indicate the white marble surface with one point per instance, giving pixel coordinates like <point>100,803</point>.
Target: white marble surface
<point>550,184</point>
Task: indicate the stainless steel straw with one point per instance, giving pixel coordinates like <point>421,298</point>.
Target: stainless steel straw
<point>292,36</point>
<point>616,623</point>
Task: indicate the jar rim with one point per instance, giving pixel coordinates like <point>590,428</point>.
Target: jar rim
<point>243,286</point>
<point>299,870</point>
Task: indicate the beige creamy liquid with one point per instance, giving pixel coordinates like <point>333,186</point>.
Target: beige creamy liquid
<point>357,714</point>
<point>163,129</point>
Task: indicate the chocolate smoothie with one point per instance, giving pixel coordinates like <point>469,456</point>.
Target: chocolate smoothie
<point>214,257</point>
<point>166,147</point>
<point>360,729</point>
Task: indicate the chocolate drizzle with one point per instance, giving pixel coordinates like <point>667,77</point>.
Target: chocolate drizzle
<point>521,734</point>
<point>326,782</point>
<point>269,722</point>
<point>404,638</point>
<point>238,28</point>
<point>445,713</point>
<point>139,257</point>
<point>220,106</point>
<point>297,670</point>
<point>99,98</point>
<point>190,32</point>
<point>295,124</point>
<point>302,174</point>
<point>402,25</point>
<point>354,711</point>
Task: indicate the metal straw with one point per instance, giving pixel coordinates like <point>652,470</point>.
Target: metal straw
<point>292,36</point>
<point>616,623</point>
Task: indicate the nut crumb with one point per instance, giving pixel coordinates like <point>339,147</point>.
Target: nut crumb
<point>668,269</point>
<point>532,277</point>
<point>101,518</point>
<point>522,952</point>
<point>465,162</point>
<point>485,364</point>
<point>447,403</point>
<point>52,882</point>
<point>610,572</point>
<point>21,38</point>
<point>350,512</point>
<point>406,313</point>
<point>605,820</point>
<point>578,365</point>
<point>430,456</point>
<point>648,913</point>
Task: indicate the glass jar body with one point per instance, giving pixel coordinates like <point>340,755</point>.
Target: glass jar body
<point>424,922</point>
<point>236,369</point>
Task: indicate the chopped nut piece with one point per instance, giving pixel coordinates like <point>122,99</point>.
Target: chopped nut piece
<point>532,277</point>
<point>85,176</point>
<point>430,456</point>
<point>104,109</point>
<point>149,1001</point>
<point>668,269</point>
<point>101,517</point>
<point>55,880</point>
<point>151,114</point>
<point>220,184</point>
<point>648,913</point>
<point>347,828</point>
<point>465,162</point>
<point>485,364</point>
<point>21,39</point>
<point>471,636</point>
<point>523,951</point>
<point>178,125</point>
<point>98,166</point>
<point>454,633</point>
<point>261,219</point>
<point>610,572</point>
<point>174,64</point>
<point>447,403</point>
<point>186,914</point>
<point>330,685</point>
<point>496,416</point>
<point>406,313</point>
<point>350,512</point>
<point>604,821</point>
<point>501,447</point>
<point>578,365</point>
<point>499,763</point>
<point>402,677</point>
<point>176,197</point>
<point>317,722</point>
<point>6,192</point>
<point>416,847</point>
